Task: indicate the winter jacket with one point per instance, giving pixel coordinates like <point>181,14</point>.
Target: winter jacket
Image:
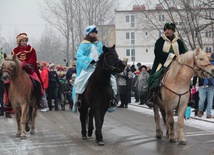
<point>45,77</point>
<point>141,84</point>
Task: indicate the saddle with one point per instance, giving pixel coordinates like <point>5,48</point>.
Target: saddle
<point>155,80</point>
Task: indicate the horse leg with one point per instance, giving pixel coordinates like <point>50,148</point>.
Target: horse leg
<point>83,119</point>
<point>163,113</point>
<point>18,115</point>
<point>159,132</point>
<point>99,118</point>
<point>27,128</point>
<point>170,121</point>
<point>33,115</point>
<point>180,125</point>
<point>23,121</point>
<point>90,123</point>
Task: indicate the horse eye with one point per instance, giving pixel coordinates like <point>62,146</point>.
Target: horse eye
<point>201,59</point>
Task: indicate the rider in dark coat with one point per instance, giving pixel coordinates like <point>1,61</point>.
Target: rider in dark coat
<point>167,47</point>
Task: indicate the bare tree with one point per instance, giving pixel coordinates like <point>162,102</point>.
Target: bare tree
<point>189,17</point>
<point>49,47</point>
<point>70,17</point>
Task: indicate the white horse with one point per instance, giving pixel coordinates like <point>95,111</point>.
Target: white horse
<point>174,93</point>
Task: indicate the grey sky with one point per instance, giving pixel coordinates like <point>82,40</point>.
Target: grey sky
<point>18,16</point>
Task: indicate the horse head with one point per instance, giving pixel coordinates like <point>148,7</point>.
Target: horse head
<point>9,66</point>
<point>111,60</point>
<point>202,66</point>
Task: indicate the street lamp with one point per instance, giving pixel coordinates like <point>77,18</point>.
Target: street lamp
<point>133,46</point>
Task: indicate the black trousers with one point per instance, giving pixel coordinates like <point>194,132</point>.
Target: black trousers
<point>123,95</point>
<point>53,94</point>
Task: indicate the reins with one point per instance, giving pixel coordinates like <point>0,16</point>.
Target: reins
<point>9,71</point>
<point>109,67</point>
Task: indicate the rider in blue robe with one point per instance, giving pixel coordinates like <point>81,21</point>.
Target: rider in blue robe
<point>88,53</point>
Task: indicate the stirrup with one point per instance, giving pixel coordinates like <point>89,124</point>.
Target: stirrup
<point>113,103</point>
<point>78,104</point>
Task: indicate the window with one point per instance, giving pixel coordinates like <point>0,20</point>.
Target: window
<point>161,17</point>
<point>146,33</point>
<point>208,49</point>
<point>147,50</point>
<point>132,54</point>
<point>208,33</point>
<point>132,21</point>
<point>132,38</point>
<point>127,35</point>
<point>127,18</point>
<point>127,52</point>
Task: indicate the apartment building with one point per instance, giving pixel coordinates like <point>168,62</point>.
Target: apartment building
<point>137,30</point>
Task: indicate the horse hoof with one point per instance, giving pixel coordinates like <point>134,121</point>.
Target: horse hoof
<point>32,132</point>
<point>23,137</point>
<point>90,132</point>
<point>100,143</point>
<point>159,136</point>
<point>182,142</point>
<point>27,128</point>
<point>18,134</point>
<point>172,141</point>
<point>84,137</point>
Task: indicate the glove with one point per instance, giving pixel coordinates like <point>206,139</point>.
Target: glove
<point>174,57</point>
<point>93,62</point>
<point>27,67</point>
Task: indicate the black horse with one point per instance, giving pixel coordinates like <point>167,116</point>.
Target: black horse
<point>98,93</point>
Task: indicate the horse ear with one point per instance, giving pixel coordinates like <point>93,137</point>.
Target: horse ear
<point>197,50</point>
<point>113,46</point>
<point>14,57</point>
<point>105,49</point>
<point>5,55</point>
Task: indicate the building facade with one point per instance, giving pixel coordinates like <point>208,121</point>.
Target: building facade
<point>137,30</point>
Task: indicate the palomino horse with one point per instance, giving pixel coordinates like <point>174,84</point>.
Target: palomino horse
<point>98,93</point>
<point>174,91</point>
<point>20,94</point>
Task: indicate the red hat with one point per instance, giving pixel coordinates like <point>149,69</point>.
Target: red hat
<point>43,64</point>
<point>20,37</point>
<point>137,72</point>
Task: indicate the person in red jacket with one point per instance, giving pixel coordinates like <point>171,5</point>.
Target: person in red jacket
<point>27,55</point>
<point>45,80</point>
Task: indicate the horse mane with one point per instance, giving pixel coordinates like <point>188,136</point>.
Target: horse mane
<point>100,60</point>
<point>176,65</point>
<point>16,60</point>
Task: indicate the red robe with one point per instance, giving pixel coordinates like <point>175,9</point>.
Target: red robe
<point>27,54</point>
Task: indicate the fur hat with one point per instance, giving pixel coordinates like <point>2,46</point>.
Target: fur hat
<point>51,65</point>
<point>125,59</point>
<point>169,25</point>
<point>20,37</point>
<point>91,28</point>
<point>73,63</point>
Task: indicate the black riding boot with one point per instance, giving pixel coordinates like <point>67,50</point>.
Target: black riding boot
<point>78,100</point>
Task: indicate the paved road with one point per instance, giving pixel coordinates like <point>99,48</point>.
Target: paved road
<point>126,132</point>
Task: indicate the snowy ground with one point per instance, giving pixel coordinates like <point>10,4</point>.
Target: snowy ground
<point>194,121</point>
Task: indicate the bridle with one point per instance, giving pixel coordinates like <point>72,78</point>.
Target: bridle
<point>8,70</point>
<point>196,67</point>
<point>110,67</point>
